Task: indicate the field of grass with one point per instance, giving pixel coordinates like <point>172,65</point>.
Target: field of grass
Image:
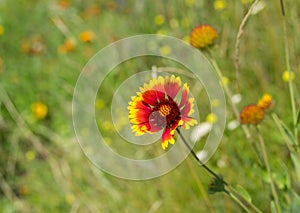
<point>44,46</point>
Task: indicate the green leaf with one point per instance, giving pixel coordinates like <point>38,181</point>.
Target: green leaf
<point>295,205</point>
<point>288,133</point>
<point>243,192</point>
<point>296,161</point>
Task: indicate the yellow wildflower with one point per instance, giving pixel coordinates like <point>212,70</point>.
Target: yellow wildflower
<point>265,102</point>
<point>165,50</point>
<point>68,46</point>
<point>39,110</point>
<point>211,118</point>
<point>288,75</point>
<point>159,19</point>
<point>220,4</point>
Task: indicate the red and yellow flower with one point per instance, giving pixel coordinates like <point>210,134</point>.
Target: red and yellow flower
<point>255,113</point>
<point>154,108</point>
<point>203,36</point>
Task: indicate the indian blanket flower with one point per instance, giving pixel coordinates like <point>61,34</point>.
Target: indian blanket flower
<point>255,113</point>
<point>203,36</point>
<point>252,114</point>
<point>155,108</point>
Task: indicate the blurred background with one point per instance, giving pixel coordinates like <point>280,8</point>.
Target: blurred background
<point>45,44</point>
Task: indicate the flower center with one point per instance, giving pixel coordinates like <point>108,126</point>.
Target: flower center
<point>165,114</point>
<point>164,110</point>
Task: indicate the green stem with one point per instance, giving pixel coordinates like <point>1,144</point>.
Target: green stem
<point>266,160</point>
<point>290,84</point>
<point>246,203</point>
<point>240,203</point>
<point>232,193</point>
<point>196,157</point>
<point>234,108</point>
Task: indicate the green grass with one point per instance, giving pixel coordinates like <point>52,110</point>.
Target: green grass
<point>59,177</point>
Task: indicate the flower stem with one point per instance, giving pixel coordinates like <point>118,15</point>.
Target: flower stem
<point>234,194</point>
<point>265,156</point>
<point>234,108</point>
<point>196,157</point>
<point>290,84</point>
<point>231,192</point>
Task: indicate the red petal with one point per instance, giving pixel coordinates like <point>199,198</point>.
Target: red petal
<point>172,85</point>
<point>184,95</point>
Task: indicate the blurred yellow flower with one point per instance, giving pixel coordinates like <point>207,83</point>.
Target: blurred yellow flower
<point>68,46</point>
<point>30,155</point>
<point>107,140</point>
<point>185,22</point>
<point>161,32</point>
<point>288,75</point>
<point>1,30</point>
<point>215,103</point>
<point>165,50</point>
<point>159,19</point>
<point>203,36</point>
<point>70,198</point>
<point>265,102</point>
<point>211,118</point>
<point>220,4</point>
<point>100,103</point>
<point>174,23</point>
<point>86,36</point>
<point>225,80</point>
<point>39,110</point>
<point>190,2</point>
<point>107,125</point>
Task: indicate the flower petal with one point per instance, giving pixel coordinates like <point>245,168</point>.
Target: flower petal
<point>184,95</point>
<point>172,85</point>
<point>167,137</point>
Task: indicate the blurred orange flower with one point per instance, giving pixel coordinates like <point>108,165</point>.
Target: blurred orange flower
<point>68,46</point>
<point>87,36</point>
<point>64,4</point>
<point>203,36</point>
<point>255,113</point>
<point>252,114</point>
<point>39,110</point>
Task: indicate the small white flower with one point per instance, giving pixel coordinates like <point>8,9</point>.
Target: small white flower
<point>200,130</point>
<point>236,98</point>
<point>233,125</point>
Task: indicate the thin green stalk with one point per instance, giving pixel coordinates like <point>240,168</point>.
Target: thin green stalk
<point>247,203</point>
<point>290,84</point>
<point>238,201</point>
<point>196,157</point>
<point>234,108</point>
<point>266,160</point>
<point>231,192</point>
